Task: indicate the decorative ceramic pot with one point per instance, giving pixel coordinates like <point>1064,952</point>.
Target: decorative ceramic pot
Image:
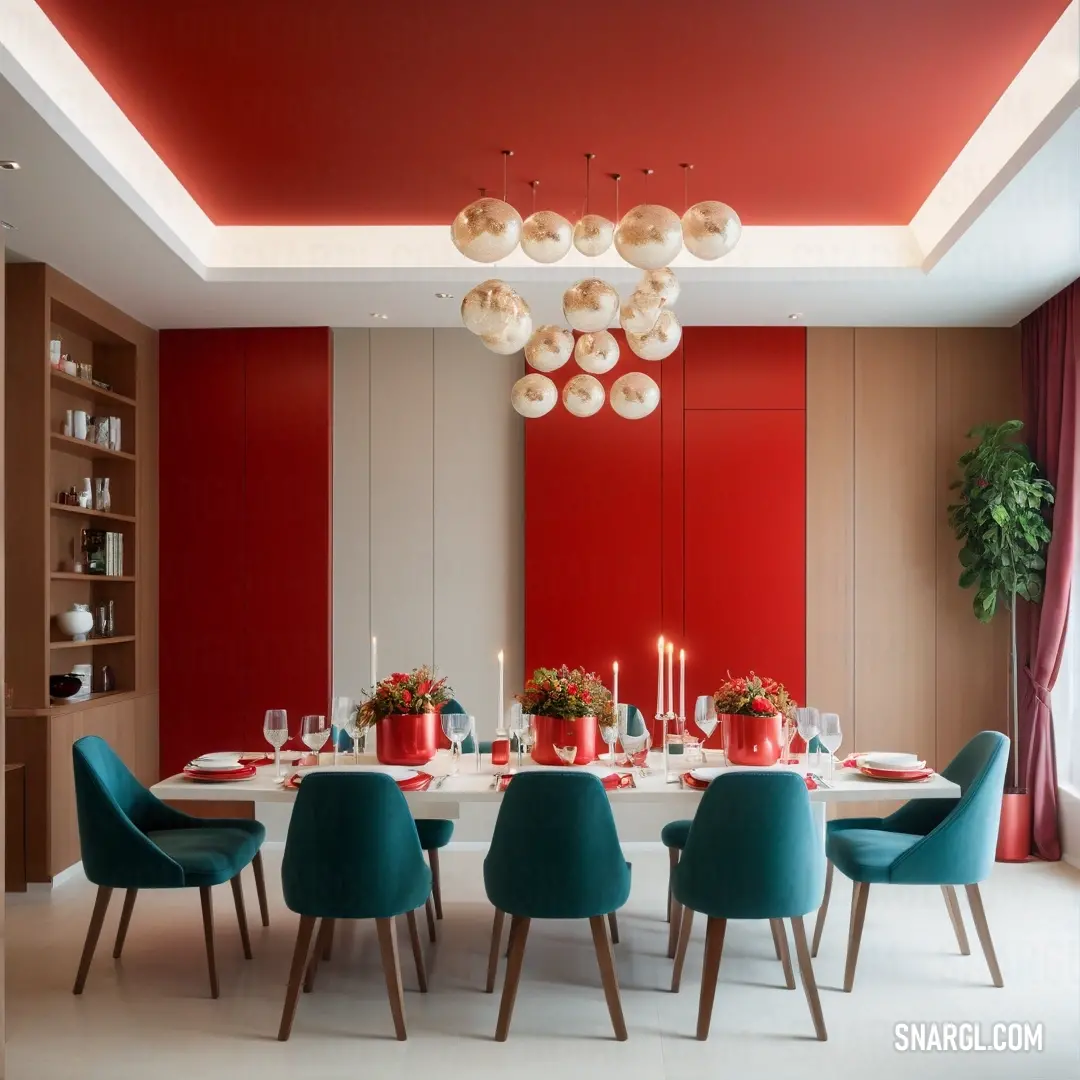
<point>407,740</point>
<point>1014,831</point>
<point>551,731</point>
<point>752,740</point>
<point>76,623</point>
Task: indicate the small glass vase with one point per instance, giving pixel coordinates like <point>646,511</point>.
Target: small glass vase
<point>102,495</point>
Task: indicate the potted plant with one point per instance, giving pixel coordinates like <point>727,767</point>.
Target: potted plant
<point>404,710</point>
<point>752,710</point>
<point>570,706</point>
<point>1000,520</point>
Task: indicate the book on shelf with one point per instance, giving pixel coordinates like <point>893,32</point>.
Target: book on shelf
<point>104,552</point>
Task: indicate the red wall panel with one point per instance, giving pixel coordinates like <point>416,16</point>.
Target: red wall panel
<point>245,534</point>
<point>745,367</point>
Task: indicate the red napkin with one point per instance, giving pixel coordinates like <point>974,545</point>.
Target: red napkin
<point>701,785</point>
<point>420,782</point>
<point>612,782</point>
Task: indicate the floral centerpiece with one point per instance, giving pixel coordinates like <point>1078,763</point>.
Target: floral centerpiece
<point>404,710</point>
<point>570,705</point>
<point>752,710</point>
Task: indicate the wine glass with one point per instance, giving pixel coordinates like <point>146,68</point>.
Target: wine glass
<point>314,731</point>
<point>566,754</point>
<point>830,737</point>
<point>457,727</point>
<point>610,734</point>
<point>528,732</point>
<point>808,723</point>
<point>706,719</point>
<point>353,730</point>
<point>515,725</point>
<point>340,709</point>
<point>276,732</point>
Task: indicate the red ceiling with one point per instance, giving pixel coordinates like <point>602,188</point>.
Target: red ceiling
<point>347,112</point>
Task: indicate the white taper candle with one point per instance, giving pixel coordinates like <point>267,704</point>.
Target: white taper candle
<point>660,676</point>
<point>502,704</point>
<point>615,683</point>
<point>682,682</point>
<point>670,677</point>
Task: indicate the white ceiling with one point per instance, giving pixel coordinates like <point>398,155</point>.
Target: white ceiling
<point>1022,248</point>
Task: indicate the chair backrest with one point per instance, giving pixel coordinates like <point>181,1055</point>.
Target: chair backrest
<point>352,851</point>
<point>114,812</point>
<point>959,836</point>
<point>753,851</point>
<point>555,851</point>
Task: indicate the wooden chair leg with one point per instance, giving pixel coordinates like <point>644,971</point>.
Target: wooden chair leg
<point>436,881</point>
<point>674,907</point>
<point>806,971</point>
<point>326,932</point>
<point>328,944</point>
<point>208,932</point>
<point>241,915</point>
<point>418,955</point>
<point>685,927</point>
<point>819,923</point>
<point>775,939</point>
<point>101,905</point>
<point>605,956</point>
<point>781,942</point>
<point>859,894</point>
<point>260,888</point>
<point>714,948</point>
<point>125,919</point>
<point>982,928</point>
<point>613,925</point>
<point>392,970</point>
<point>296,975</point>
<point>519,932</point>
<point>493,952</point>
<point>957,918</point>
<point>429,911</point>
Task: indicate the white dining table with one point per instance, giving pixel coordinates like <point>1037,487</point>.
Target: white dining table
<point>654,800</point>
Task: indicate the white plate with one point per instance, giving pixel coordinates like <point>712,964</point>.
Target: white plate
<point>395,772</point>
<point>879,759</point>
<point>595,768</point>
<point>705,775</point>
<point>216,761</point>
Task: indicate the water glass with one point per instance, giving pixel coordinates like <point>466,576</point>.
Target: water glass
<point>705,717</point>
<point>610,734</point>
<point>693,751</point>
<point>808,723</point>
<point>341,709</point>
<point>457,727</point>
<point>353,730</point>
<point>528,732</point>
<point>314,731</point>
<point>830,737</point>
<point>276,732</point>
<point>515,724</point>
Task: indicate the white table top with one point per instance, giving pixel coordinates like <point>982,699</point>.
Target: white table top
<point>470,786</point>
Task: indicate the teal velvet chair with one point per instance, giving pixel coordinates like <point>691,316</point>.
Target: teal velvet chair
<point>374,869</point>
<point>555,854</point>
<point>131,840</point>
<point>673,836</point>
<point>943,842</point>
<point>752,852</point>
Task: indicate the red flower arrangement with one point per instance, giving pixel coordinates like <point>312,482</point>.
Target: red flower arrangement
<point>567,695</point>
<point>403,694</point>
<point>751,695</point>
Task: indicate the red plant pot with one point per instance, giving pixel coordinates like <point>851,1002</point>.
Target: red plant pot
<point>1014,831</point>
<point>407,740</point>
<point>584,733</point>
<point>752,740</point>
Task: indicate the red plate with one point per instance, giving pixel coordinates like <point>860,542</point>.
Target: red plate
<point>420,782</point>
<point>692,781</point>
<point>244,772</point>
<point>905,776</point>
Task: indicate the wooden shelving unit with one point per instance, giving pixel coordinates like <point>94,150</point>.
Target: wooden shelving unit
<point>43,538</point>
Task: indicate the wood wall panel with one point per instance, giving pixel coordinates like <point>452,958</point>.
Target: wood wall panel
<point>402,499</point>
<point>478,535</point>
<point>978,381</point>
<point>830,525</point>
<point>352,504</point>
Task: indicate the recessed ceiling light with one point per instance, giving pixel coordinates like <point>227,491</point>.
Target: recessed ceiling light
<point>795,315</point>
<point>379,315</point>
<point>10,166</point>
<point>445,295</point>
<point>7,225</point>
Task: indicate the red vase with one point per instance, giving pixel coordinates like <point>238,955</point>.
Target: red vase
<point>407,740</point>
<point>752,740</point>
<point>1014,831</point>
<point>583,732</point>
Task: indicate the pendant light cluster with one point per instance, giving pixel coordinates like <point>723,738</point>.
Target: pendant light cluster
<point>649,236</point>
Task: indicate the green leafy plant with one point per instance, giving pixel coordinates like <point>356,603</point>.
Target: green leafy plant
<point>567,695</point>
<point>1000,519</point>
<point>405,694</point>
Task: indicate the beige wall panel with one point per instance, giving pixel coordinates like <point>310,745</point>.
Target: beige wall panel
<point>896,519</point>
<point>402,498</point>
<point>479,532</point>
<point>352,525</point>
<point>978,381</point>
<point>830,525</point>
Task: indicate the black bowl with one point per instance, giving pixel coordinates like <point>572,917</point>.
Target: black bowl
<point>64,686</point>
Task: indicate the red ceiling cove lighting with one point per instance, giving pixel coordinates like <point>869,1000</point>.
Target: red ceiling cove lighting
<point>327,112</point>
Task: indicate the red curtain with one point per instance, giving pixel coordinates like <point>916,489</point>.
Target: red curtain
<point>1049,359</point>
